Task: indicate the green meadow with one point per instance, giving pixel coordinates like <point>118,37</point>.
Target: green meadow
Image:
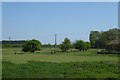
<point>43,64</point>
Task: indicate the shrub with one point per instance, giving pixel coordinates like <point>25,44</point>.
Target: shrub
<point>81,45</point>
<point>31,45</point>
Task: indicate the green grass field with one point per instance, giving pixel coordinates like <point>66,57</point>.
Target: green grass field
<point>43,64</point>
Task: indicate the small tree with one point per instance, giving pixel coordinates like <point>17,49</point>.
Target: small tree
<point>31,45</point>
<point>66,44</point>
<point>79,44</point>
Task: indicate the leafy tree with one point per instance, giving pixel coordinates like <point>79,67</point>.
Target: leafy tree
<point>87,44</point>
<point>80,44</point>
<point>66,44</point>
<point>101,39</point>
<point>32,46</point>
<point>94,37</point>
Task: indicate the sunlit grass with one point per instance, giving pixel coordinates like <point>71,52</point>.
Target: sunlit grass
<point>43,64</point>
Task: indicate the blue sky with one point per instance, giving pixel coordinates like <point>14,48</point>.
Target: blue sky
<point>69,19</point>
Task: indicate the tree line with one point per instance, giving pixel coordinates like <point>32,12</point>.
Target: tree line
<point>19,43</point>
<point>12,43</point>
<point>33,45</point>
<point>78,44</point>
<point>101,39</point>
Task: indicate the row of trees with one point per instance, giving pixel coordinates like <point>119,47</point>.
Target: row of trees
<point>33,45</point>
<point>101,39</point>
<point>19,43</point>
<point>98,39</point>
<point>12,43</point>
<point>79,44</point>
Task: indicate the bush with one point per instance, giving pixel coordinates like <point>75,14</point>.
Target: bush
<point>81,45</point>
<point>31,45</point>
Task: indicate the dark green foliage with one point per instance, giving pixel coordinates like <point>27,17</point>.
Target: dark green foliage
<point>101,39</point>
<point>31,45</point>
<point>13,41</point>
<point>81,45</point>
<point>88,45</point>
<point>66,44</point>
<point>113,47</point>
<point>118,46</point>
<point>6,43</point>
<point>93,37</point>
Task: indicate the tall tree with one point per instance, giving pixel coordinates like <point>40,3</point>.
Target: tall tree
<point>94,35</point>
<point>66,44</point>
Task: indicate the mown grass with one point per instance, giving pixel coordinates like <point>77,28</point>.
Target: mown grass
<point>42,64</point>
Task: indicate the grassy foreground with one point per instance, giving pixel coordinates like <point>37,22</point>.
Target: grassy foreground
<point>42,64</point>
<point>60,70</point>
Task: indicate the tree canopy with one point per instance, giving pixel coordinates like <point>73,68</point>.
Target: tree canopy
<point>81,45</point>
<point>101,39</point>
<point>66,44</point>
<point>32,46</point>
